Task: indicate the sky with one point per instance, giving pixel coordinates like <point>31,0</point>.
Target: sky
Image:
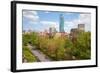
<point>40,21</point>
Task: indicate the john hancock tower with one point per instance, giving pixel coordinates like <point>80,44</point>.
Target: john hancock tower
<point>61,27</point>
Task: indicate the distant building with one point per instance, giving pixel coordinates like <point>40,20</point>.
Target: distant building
<point>75,31</point>
<point>61,26</point>
<point>73,34</point>
<point>44,34</point>
<point>81,27</point>
<point>52,31</point>
<point>59,34</point>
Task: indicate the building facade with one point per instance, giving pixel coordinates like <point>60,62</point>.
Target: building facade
<point>61,26</point>
<point>81,27</point>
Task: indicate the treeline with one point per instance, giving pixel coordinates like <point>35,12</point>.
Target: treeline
<point>61,48</point>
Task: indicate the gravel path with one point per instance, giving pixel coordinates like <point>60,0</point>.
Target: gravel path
<point>42,57</point>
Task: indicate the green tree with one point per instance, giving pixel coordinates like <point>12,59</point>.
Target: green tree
<point>26,38</point>
<point>31,38</point>
<point>68,48</point>
<point>60,48</point>
<point>82,47</point>
<point>34,39</point>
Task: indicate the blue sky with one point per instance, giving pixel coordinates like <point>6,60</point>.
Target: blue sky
<point>42,20</point>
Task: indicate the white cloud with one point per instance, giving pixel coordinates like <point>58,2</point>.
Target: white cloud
<point>48,24</point>
<point>69,23</point>
<point>52,24</point>
<point>47,11</point>
<point>83,19</point>
<point>86,19</point>
<point>32,16</point>
<point>70,13</point>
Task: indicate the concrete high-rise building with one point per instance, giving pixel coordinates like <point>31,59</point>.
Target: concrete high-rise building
<point>52,31</point>
<point>81,27</point>
<point>61,26</point>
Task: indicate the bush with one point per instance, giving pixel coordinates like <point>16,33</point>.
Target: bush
<point>28,55</point>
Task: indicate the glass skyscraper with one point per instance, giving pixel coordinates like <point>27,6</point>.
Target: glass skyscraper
<point>61,26</point>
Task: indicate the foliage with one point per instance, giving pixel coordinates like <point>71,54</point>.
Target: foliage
<point>26,38</point>
<point>82,47</point>
<point>34,38</point>
<point>60,48</point>
<point>28,55</point>
<point>30,38</point>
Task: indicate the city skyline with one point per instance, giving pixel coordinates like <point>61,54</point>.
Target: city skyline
<point>42,20</point>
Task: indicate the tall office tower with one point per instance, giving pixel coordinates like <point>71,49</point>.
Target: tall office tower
<point>81,27</point>
<point>61,26</point>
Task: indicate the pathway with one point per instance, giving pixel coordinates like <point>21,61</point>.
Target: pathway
<point>42,57</point>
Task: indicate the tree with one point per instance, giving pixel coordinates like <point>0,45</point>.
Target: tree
<point>69,48</point>
<point>34,39</point>
<point>26,38</point>
<point>82,47</point>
